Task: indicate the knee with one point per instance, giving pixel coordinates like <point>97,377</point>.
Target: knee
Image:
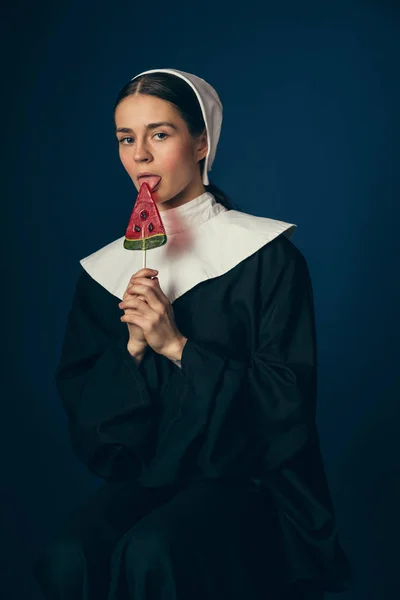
<point>142,549</point>
<point>60,567</point>
<point>148,549</point>
<point>156,565</point>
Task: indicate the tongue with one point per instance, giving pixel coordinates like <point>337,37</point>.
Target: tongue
<point>151,181</point>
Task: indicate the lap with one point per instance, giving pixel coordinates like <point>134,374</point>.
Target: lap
<point>82,547</point>
<point>205,509</point>
<point>226,530</point>
<point>110,512</point>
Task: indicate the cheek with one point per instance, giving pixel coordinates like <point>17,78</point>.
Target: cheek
<point>177,158</point>
<point>126,161</point>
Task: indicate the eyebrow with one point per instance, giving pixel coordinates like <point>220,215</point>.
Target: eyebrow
<point>149,126</point>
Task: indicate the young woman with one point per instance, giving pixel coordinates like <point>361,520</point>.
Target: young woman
<point>193,393</point>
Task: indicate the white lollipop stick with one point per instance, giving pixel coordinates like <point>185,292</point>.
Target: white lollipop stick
<point>143,249</point>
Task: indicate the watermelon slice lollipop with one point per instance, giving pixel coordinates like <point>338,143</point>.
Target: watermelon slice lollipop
<point>145,229</point>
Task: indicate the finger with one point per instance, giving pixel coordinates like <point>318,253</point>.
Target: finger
<point>139,307</point>
<point>132,318</point>
<point>135,304</point>
<point>153,298</point>
<point>132,299</point>
<point>145,273</point>
<point>143,284</point>
<point>149,286</point>
<point>128,295</point>
<point>152,283</point>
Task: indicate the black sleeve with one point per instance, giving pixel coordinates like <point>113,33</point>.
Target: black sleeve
<point>264,408</point>
<point>104,392</point>
<point>233,415</point>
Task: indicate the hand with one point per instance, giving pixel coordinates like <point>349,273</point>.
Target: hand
<point>136,335</point>
<point>154,315</point>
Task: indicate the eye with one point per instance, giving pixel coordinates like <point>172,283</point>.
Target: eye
<point>122,140</point>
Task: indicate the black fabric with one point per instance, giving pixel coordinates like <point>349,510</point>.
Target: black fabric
<point>240,412</point>
<point>129,542</point>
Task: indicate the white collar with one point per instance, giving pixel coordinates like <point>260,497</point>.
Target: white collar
<point>192,214</point>
<point>204,240</point>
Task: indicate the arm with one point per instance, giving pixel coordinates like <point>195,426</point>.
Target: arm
<point>231,413</point>
<point>265,408</point>
<point>104,393</point>
<point>136,352</point>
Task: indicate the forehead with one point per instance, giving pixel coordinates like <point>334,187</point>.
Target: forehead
<point>142,109</point>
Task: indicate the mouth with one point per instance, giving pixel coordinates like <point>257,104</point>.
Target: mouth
<point>153,181</point>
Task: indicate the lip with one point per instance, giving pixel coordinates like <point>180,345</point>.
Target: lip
<point>148,175</point>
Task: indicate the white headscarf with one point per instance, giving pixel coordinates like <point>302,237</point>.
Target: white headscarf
<point>211,107</point>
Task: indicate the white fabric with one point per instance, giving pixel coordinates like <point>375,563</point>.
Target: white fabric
<point>211,107</point>
<point>204,240</point>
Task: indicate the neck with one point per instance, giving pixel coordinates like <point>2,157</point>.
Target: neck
<point>193,190</point>
<point>191,214</point>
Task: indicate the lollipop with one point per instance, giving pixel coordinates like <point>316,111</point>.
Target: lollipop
<point>145,229</point>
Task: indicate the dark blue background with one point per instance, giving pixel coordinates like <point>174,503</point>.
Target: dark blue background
<point>310,136</point>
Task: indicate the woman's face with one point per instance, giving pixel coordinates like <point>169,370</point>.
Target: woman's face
<point>168,151</point>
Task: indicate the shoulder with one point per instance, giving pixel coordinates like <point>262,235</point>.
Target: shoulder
<point>283,252</point>
<point>282,266</point>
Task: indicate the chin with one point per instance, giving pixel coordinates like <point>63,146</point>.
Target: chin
<point>167,198</point>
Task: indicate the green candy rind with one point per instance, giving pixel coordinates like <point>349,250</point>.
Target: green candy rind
<point>152,242</point>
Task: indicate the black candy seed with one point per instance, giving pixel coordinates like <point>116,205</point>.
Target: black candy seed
<point>143,214</point>
<point>137,228</point>
<point>151,227</point>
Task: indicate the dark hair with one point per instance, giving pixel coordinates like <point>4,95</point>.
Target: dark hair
<point>175,90</point>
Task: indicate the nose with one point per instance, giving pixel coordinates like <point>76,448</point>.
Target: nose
<point>141,152</point>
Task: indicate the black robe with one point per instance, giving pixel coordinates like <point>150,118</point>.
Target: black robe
<point>241,409</point>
